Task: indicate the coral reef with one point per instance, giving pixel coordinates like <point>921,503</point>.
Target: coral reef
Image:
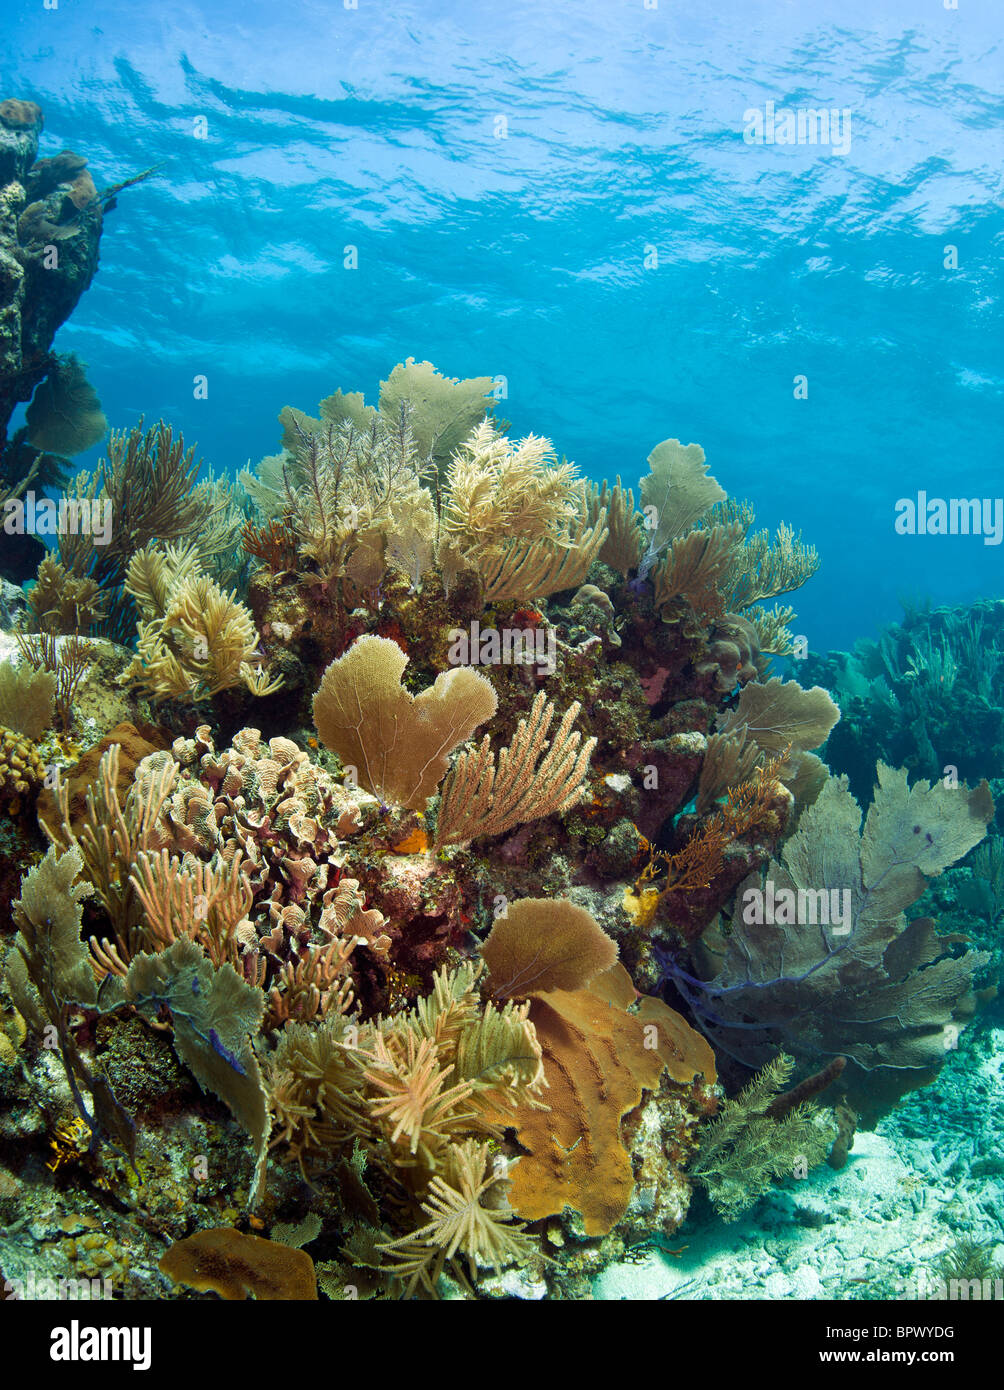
<point>427,864</point>
<point>926,695</point>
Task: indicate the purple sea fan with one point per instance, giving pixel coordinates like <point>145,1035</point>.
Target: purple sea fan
<point>859,981</point>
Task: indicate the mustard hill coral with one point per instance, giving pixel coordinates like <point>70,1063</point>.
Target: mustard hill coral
<point>21,768</point>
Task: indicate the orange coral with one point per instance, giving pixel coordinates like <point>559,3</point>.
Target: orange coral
<point>753,805</point>
<point>274,545</point>
<point>233,1265</point>
<point>415,842</point>
<point>694,866</point>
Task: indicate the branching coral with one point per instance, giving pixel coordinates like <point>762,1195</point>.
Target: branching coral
<point>517,517</point>
<point>61,603</point>
<point>204,902</point>
<point>113,835</point>
<point>625,543</point>
<point>482,798</point>
<point>469,1215</point>
<point>419,1092</point>
<point>340,482</point>
<point>68,660</point>
<point>762,568</point>
<point>747,1146</point>
<point>148,478</point>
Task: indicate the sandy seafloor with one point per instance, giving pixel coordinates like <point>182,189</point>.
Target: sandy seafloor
<point>930,1173</point>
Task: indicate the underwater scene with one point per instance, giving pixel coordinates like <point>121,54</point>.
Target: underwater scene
<point>502,657</point>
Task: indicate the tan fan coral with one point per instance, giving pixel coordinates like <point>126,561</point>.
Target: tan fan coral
<point>676,493</point>
<point>779,715</point>
<point>398,744</point>
<point>602,1050</point>
<point>26,699</point>
<point>544,943</point>
<point>193,639</point>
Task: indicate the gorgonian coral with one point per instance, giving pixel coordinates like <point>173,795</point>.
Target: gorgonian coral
<point>193,639</point>
<point>820,959</point>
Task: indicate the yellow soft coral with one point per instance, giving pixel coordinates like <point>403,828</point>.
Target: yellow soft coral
<point>194,640</point>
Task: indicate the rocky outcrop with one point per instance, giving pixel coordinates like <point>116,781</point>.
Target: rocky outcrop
<point>50,227</point>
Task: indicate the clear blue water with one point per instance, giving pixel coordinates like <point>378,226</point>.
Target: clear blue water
<point>524,256</point>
